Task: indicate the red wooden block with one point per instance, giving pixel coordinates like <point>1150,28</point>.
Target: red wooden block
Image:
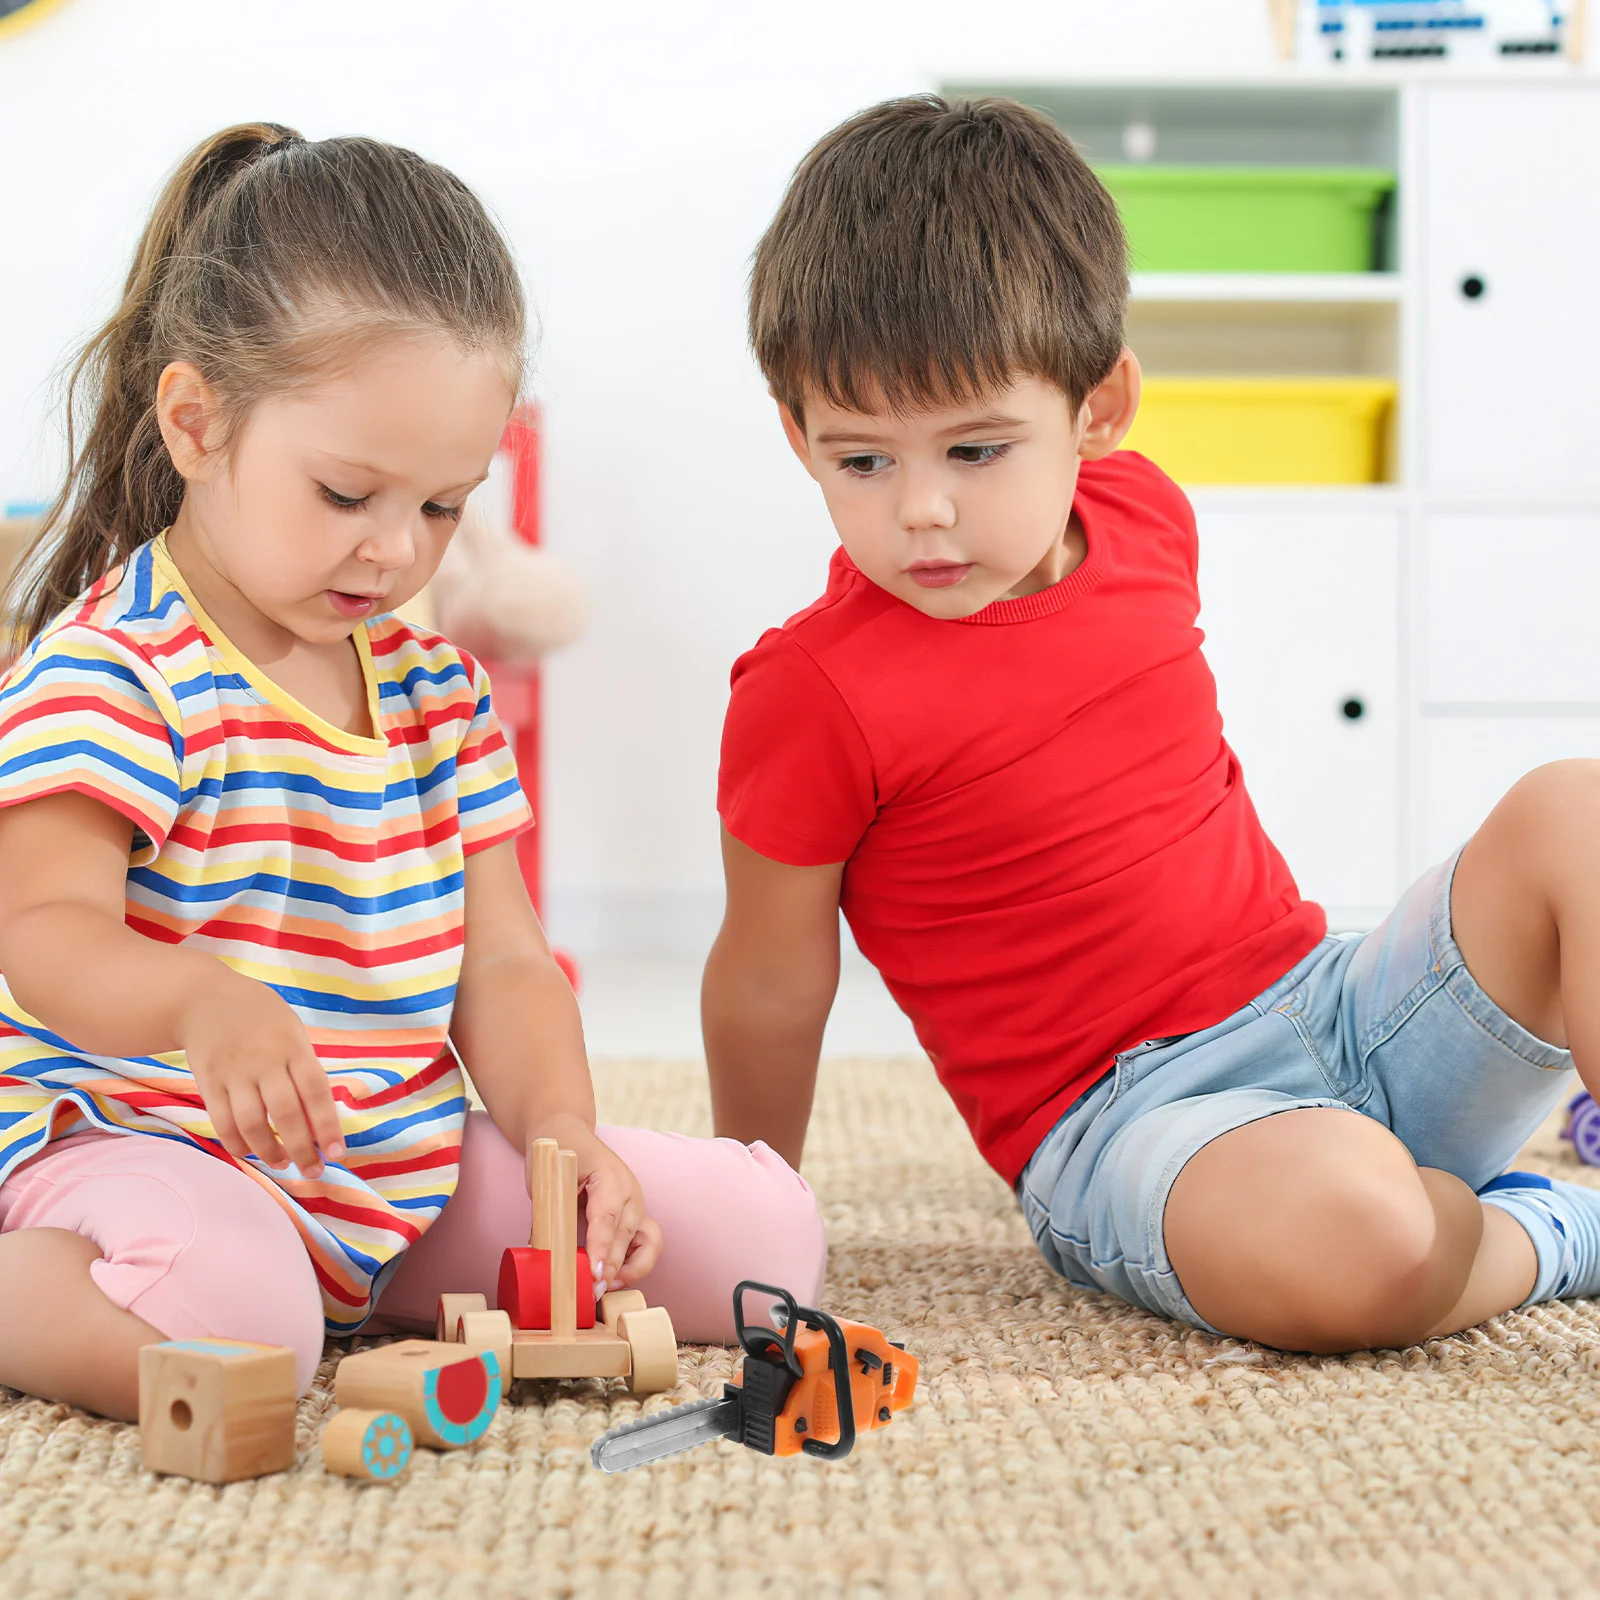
<point>524,1290</point>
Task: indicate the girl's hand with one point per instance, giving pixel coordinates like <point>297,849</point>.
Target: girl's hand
<point>623,1242</point>
<point>256,1072</point>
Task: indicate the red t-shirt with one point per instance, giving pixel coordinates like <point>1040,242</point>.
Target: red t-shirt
<point>1049,852</point>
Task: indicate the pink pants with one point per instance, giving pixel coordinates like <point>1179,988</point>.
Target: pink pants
<point>195,1248</point>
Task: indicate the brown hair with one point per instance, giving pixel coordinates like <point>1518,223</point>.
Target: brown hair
<point>266,261</point>
<point>928,251</point>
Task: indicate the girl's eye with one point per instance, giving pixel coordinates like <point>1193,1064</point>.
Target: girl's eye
<point>443,513</point>
<point>864,466</point>
<point>345,502</point>
<point>978,455</point>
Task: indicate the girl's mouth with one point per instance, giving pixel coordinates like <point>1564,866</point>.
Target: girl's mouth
<point>353,605</point>
<point>939,574</point>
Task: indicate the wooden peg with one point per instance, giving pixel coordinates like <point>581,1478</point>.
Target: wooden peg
<point>544,1167</point>
<point>448,1395</point>
<point>375,1445</point>
<point>216,1409</point>
<point>563,1252</point>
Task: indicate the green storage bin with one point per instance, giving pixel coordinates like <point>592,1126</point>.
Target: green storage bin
<point>1249,219</point>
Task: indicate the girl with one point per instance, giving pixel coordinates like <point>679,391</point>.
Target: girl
<point>256,859</point>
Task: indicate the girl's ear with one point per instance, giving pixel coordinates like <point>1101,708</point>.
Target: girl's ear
<point>1109,411</point>
<point>189,418</point>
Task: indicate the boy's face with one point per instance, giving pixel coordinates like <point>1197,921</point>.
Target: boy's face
<point>952,508</point>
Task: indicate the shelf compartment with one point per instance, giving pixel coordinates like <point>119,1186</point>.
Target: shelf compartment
<point>1266,430</point>
<point>1273,288</point>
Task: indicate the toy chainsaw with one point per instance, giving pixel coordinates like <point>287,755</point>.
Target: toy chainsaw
<point>809,1384</point>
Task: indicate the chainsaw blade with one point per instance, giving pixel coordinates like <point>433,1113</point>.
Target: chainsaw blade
<point>667,1433</point>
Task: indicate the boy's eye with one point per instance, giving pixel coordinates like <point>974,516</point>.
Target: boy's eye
<point>864,466</point>
<point>444,513</point>
<point>977,455</point>
<point>345,502</point>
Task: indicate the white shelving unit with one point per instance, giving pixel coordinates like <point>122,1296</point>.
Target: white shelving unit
<point>1453,608</point>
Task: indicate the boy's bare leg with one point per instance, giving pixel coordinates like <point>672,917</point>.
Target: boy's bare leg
<point>1313,1230</point>
<point>60,1337</point>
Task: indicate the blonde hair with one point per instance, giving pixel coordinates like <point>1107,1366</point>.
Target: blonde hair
<point>267,261</point>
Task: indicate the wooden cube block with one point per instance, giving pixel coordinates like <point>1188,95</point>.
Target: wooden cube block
<point>448,1395</point>
<point>216,1409</point>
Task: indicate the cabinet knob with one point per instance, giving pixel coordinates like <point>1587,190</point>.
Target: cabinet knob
<point>1353,709</point>
<point>1473,287</point>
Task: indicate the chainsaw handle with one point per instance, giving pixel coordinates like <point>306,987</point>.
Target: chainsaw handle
<point>839,1363</point>
<point>759,1344</point>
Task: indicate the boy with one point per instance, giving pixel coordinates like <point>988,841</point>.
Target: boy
<point>995,744</point>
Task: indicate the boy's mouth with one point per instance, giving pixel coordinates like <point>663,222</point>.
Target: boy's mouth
<point>353,605</point>
<point>938,574</point>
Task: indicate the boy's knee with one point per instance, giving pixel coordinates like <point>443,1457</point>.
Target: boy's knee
<point>1373,1278</point>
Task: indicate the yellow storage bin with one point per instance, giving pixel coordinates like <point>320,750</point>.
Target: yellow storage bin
<point>1265,430</point>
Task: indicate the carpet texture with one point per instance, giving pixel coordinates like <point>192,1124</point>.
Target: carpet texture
<point>1062,1444</point>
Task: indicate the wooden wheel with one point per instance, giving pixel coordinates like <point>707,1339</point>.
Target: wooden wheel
<point>617,1302</point>
<point>490,1330</point>
<point>653,1348</point>
<point>452,1308</point>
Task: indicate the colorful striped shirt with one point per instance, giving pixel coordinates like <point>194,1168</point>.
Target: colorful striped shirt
<point>327,865</point>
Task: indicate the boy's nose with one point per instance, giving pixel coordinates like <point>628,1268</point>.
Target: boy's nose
<point>926,503</point>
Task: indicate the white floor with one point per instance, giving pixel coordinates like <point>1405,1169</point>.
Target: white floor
<point>650,1006</point>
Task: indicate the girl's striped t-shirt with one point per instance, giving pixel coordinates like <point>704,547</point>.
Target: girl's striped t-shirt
<point>326,865</point>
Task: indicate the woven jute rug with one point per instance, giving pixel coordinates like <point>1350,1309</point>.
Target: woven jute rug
<point>1062,1444</point>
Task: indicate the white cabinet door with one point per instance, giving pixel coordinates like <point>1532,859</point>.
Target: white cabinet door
<point>1466,763</point>
<point>1508,607</point>
<point>1301,614</point>
<point>1510,234</point>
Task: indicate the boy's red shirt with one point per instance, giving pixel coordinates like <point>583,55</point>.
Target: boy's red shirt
<point>1050,854</point>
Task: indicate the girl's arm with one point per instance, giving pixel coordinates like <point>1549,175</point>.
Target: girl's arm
<point>72,961</point>
<point>517,1028</point>
<point>769,984</point>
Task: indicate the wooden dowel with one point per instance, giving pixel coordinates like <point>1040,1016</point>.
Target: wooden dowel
<point>543,1166</point>
<point>563,1249</point>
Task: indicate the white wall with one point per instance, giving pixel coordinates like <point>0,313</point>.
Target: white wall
<point>634,159</point>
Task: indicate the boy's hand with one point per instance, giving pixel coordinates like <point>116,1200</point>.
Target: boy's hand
<point>623,1242</point>
<point>256,1072</point>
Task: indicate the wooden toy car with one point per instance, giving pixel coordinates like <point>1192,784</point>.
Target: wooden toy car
<point>546,1322</point>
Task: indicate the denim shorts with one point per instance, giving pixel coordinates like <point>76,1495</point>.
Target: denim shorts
<point>1389,1024</point>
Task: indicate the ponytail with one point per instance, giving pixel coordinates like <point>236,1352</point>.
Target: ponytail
<point>257,243</point>
<point>121,485</point>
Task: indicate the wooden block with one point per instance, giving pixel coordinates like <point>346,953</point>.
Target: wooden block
<point>616,1302</point>
<point>448,1396</point>
<point>489,1330</point>
<point>216,1409</point>
<point>564,1233</point>
<point>544,1164</point>
<point>583,1355</point>
<point>375,1445</point>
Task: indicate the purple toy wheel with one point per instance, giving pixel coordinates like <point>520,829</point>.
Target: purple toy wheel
<point>1583,1128</point>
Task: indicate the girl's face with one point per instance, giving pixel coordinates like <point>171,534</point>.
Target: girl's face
<point>335,503</point>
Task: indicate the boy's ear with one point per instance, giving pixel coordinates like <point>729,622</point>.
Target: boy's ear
<point>1110,409</point>
<point>796,435</point>
<point>189,417</point>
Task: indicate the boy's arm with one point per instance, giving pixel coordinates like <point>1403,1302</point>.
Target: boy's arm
<point>769,984</point>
